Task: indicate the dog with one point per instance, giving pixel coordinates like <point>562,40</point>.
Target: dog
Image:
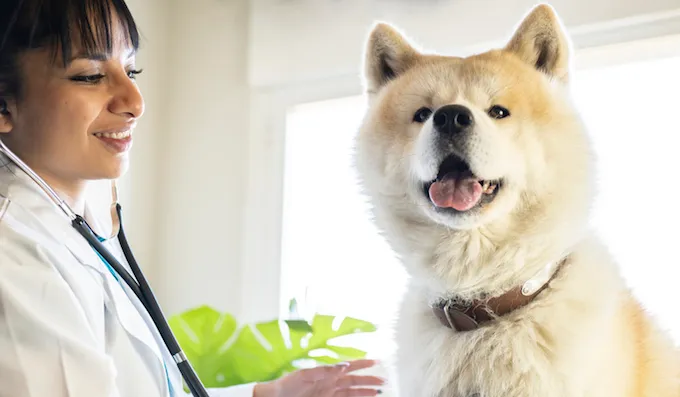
<point>480,175</point>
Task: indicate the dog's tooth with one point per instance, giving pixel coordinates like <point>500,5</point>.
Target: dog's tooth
<point>485,186</point>
<point>489,188</point>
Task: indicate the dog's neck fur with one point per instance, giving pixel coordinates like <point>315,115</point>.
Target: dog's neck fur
<point>478,263</point>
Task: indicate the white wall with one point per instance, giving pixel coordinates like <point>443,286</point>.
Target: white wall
<point>308,40</point>
<point>138,190</point>
<point>203,155</point>
<point>204,190</point>
<point>184,194</point>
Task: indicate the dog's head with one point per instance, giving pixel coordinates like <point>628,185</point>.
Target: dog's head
<point>489,141</point>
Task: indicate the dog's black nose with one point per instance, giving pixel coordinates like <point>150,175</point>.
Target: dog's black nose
<point>452,119</point>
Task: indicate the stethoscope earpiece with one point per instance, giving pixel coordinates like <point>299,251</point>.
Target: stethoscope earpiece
<point>3,107</point>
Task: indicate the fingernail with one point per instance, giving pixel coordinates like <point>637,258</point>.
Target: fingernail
<point>343,366</point>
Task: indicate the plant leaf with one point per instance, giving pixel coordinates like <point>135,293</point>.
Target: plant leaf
<point>275,345</point>
<point>346,353</point>
<point>293,306</point>
<point>202,333</point>
<point>223,355</point>
<point>299,325</point>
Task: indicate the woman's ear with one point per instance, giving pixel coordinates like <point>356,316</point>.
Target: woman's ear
<point>5,117</point>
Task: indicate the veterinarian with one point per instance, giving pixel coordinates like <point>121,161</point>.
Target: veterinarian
<point>68,326</point>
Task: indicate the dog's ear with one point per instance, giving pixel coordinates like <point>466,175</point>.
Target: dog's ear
<point>541,41</point>
<point>387,55</point>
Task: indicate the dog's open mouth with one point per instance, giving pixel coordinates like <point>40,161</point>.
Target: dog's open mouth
<point>457,188</point>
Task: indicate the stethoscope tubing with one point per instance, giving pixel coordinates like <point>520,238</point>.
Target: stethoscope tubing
<point>143,291</point>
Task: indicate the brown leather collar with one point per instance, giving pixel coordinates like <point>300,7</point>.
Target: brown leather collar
<point>467,317</point>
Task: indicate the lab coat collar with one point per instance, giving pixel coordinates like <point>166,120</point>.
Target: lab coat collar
<point>20,189</point>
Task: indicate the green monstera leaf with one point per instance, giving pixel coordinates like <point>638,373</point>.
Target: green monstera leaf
<point>223,355</point>
<point>203,334</point>
<point>269,350</point>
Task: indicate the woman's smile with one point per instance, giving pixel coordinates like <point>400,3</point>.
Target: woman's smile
<point>119,140</point>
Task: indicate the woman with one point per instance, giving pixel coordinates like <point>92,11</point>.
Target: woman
<point>68,105</point>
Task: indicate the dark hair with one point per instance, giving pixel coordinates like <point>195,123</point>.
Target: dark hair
<point>34,24</point>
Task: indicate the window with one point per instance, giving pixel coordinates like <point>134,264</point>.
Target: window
<point>334,262</point>
<point>630,110</point>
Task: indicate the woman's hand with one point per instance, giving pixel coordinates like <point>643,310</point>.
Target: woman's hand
<point>327,381</point>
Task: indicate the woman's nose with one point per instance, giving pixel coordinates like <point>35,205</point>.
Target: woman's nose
<point>127,98</point>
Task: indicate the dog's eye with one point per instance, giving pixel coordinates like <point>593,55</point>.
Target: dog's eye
<point>422,114</point>
<point>498,112</point>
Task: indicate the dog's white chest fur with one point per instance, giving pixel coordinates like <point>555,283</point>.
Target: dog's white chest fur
<point>549,348</point>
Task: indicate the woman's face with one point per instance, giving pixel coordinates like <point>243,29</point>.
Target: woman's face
<point>72,124</point>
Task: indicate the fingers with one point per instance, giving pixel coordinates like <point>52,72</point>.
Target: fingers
<point>357,393</point>
<point>359,381</point>
<point>324,372</point>
<point>361,364</point>
<point>356,386</point>
<point>334,371</point>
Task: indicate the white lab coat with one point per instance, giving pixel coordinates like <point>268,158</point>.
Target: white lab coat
<point>67,327</point>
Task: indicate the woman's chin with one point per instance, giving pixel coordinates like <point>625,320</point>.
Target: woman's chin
<point>114,170</point>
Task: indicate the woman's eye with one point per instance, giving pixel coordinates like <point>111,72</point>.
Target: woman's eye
<point>95,78</point>
<point>498,112</point>
<point>422,114</point>
<point>133,73</point>
<point>91,78</point>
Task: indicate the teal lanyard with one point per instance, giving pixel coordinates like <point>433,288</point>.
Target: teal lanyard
<point>113,273</point>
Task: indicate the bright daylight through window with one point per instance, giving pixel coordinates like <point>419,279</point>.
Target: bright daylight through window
<point>334,262</point>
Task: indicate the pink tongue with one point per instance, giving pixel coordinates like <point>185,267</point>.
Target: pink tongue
<point>459,194</point>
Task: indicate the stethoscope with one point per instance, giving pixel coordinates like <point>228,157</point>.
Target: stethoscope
<point>140,287</point>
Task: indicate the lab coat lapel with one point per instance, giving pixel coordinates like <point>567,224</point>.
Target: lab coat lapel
<point>46,216</point>
<point>51,227</point>
<point>129,309</point>
<point>153,340</point>
<point>47,219</point>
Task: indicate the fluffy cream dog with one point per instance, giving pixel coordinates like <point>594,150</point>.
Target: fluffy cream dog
<point>480,175</point>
